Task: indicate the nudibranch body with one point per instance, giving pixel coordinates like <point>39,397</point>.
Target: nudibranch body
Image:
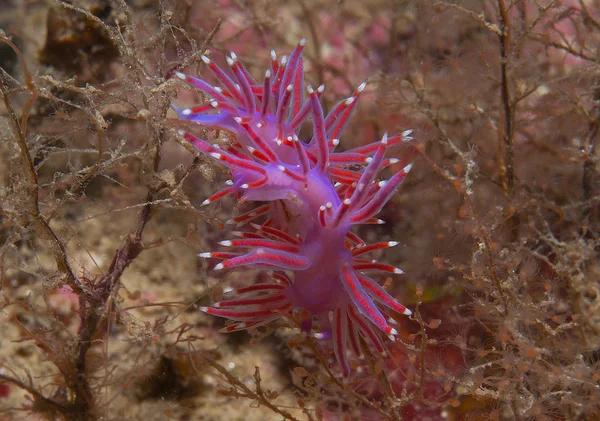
<point>308,197</point>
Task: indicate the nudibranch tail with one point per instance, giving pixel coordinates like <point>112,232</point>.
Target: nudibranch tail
<point>309,196</point>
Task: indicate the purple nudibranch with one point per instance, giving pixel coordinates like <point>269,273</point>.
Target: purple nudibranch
<point>308,198</point>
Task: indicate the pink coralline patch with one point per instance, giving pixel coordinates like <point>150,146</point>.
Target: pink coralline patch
<point>379,31</point>
<point>66,303</point>
<point>307,197</point>
<point>64,296</point>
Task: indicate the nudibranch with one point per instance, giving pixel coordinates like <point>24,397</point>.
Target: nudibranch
<point>307,197</point>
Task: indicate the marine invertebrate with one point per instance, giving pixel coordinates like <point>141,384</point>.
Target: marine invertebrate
<point>309,197</point>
